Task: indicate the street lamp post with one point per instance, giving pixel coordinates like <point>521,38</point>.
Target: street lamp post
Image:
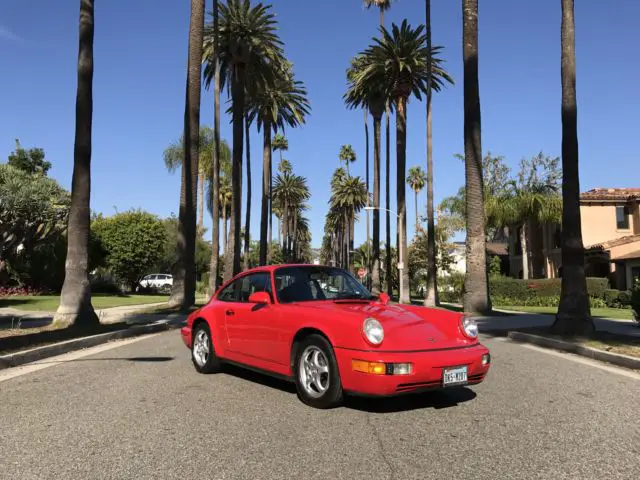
<point>401,265</point>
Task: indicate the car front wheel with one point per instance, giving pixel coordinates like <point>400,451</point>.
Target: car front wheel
<point>316,373</point>
<point>202,353</point>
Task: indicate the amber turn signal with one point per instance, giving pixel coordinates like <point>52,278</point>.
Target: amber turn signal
<point>362,366</point>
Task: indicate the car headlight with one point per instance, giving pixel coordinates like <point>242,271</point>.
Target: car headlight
<point>469,327</point>
<point>373,331</point>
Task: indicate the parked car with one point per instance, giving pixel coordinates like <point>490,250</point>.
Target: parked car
<point>319,327</point>
<point>160,282</point>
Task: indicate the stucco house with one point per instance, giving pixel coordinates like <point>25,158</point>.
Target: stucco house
<point>610,232</point>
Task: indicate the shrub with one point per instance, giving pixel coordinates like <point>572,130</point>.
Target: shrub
<point>597,286</point>
<point>625,298</point>
<point>523,290</point>
<point>105,286</point>
<point>611,297</point>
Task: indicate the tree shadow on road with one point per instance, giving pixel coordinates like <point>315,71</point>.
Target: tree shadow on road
<point>436,399</point>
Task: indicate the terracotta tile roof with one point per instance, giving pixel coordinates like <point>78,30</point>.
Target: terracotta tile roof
<point>615,243</point>
<point>609,194</point>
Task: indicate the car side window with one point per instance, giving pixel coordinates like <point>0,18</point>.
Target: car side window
<point>255,282</point>
<point>229,293</point>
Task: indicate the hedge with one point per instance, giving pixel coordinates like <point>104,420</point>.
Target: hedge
<point>506,287</point>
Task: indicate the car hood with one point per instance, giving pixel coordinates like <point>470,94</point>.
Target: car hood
<point>406,328</point>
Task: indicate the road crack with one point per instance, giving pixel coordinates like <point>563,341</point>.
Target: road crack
<point>385,459</point>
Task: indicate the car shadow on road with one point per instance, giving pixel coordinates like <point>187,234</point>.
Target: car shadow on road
<point>436,399</point>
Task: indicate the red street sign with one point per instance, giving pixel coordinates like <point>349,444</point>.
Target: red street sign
<point>362,272</point>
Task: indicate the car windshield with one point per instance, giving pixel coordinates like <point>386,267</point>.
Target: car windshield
<point>310,283</point>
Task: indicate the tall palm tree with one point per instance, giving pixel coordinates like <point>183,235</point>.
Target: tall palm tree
<point>280,103</point>
<point>290,191</point>
<point>212,71</point>
<point>373,96</point>
<point>476,292</point>
<point>281,144</point>
<point>347,155</point>
<point>75,300</point>
<point>184,279</point>
<point>350,195</point>
<point>248,48</point>
<point>383,6</point>
<point>416,180</point>
<point>174,154</point>
<point>574,313</point>
<point>247,221</point>
<point>400,57</point>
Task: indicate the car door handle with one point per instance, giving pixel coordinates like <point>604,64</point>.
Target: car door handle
<point>229,313</point>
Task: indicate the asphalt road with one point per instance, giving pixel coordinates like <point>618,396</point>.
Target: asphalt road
<point>141,411</point>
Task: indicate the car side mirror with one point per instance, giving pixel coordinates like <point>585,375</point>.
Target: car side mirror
<point>260,297</point>
<point>383,298</point>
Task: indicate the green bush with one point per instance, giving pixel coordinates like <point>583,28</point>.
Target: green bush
<point>546,287</point>
<point>597,286</point>
<point>612,297</point>
<point>625,298</point>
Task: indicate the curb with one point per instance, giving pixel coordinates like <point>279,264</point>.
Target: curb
<point>593,353</point>
<point>39,353</point>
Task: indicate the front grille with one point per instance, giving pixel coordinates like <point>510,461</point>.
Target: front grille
<point>407,387</point>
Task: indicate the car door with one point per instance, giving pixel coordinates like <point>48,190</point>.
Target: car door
<point>249,325</point>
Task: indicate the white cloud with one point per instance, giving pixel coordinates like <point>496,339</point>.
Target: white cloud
<point>7,34</point>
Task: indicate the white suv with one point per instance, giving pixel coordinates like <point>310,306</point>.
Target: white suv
<point>156,281</point>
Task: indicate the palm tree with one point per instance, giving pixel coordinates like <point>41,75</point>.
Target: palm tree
<point>281,144</point>
<point>174,154</point>
<point>247,221</point>
<point>574,313</point>
<point>249,48</point>
<point>290,191</point>
<point>400,58</point>
<point>75,300</point>
<point>416,180</point>
<point>476,292</point>
<point>347,155</point>
<point>184,278</point>
<point>383,6</point>
<point>280,103</point>
<point>373,96</point>
<point>212,70</point>
<point>285,166</point>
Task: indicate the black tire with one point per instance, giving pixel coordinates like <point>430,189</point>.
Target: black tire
<point>204,364</point>
<point>333,395</point>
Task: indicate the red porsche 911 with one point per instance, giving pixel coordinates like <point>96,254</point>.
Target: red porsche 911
<point>320,328</point>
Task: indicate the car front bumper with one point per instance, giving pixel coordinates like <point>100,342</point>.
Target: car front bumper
<point>427,369</point>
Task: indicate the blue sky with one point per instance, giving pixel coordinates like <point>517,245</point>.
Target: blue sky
<point>140,60</point>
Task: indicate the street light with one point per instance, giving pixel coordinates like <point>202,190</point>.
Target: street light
<point>400,264</point>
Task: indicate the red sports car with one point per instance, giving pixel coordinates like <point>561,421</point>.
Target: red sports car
<point>319,327</point>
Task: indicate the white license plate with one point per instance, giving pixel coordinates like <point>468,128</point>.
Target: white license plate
<point>454,376</point>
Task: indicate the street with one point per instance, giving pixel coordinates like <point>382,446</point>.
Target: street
<point>139,410</point>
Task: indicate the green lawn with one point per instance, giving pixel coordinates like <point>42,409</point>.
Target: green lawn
<point>49,303</point>
<point>615,313</point>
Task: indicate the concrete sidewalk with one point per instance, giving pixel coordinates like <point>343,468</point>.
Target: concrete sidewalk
<point>15,318</point>
<point>499,324</point>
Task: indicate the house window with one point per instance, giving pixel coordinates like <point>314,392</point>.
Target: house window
<point>622,217</point>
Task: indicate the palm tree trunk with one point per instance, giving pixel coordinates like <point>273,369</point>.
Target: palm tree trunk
<point>266,184</point>
<point>366,138</point>
<point>401,145</point>
<point>285,228</point>
<point>415,201</point>
<point>184,278</point>
<point>200,200</point>
<point>525,251</point>
<point>375,271</point>
<point>232,260</point>
<point>75,300</point>
<point>247,218</point>
<point>225,233</point>
<point>388,206</point>
<point>295,234</point>
<point>215,230</point>
<point>574,313</point>
<point>352,228</point>
<point>431,290</point>
<point>476,297</point>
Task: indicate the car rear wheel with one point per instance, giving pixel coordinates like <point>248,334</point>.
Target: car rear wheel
<point>203,354</point>
<point>316,373</point>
